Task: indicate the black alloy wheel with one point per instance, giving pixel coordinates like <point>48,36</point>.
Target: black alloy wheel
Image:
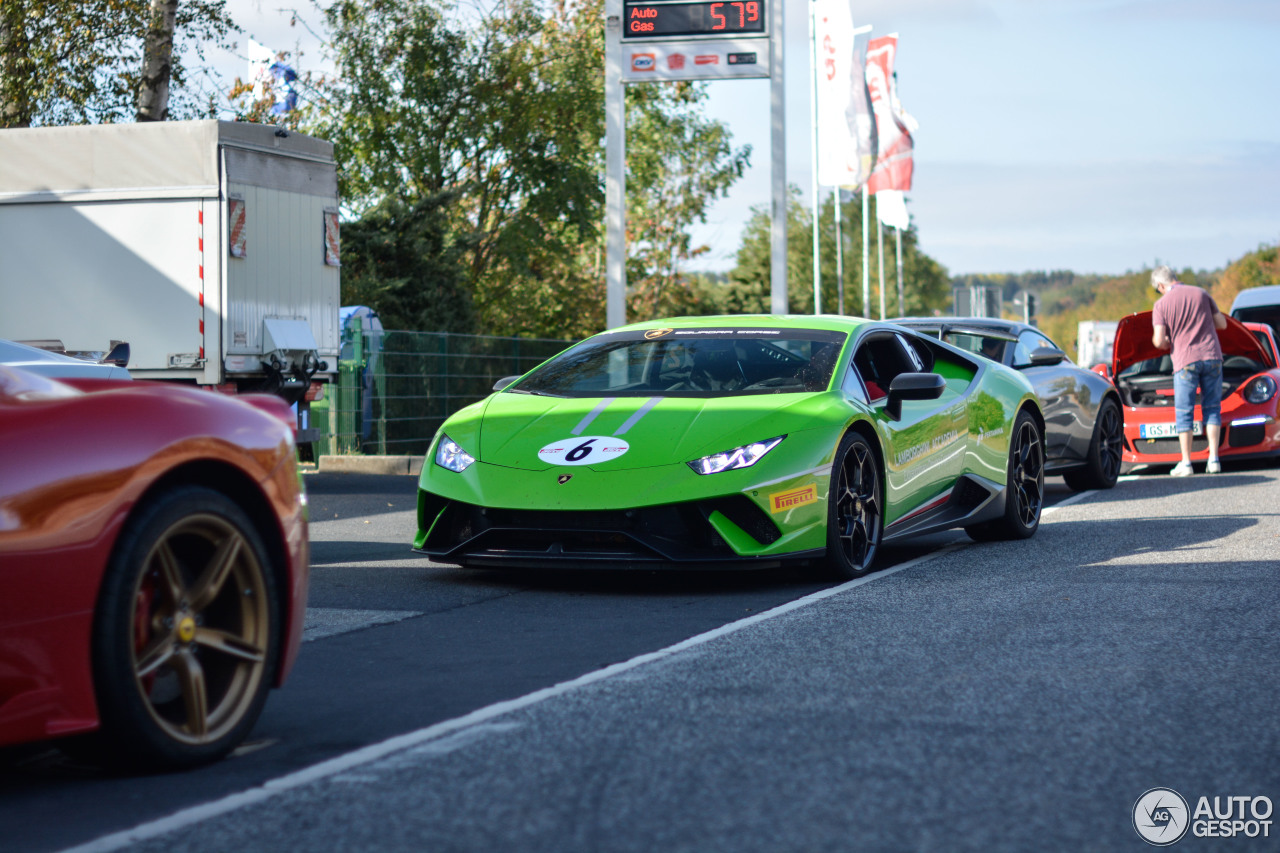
<point>855,516</point>
<point>1102,467</point>
<point>1024,492</point>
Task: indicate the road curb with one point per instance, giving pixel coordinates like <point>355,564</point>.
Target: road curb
<point>370,464</point>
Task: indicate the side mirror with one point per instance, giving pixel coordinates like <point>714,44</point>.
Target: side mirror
<point>912,386</point>
<point>1102,369</point>
<point>1047,356</point>
<point>119,355</point>
<point>504,382</point>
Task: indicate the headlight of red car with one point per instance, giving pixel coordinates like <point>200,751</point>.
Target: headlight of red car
<point>1260,389</point>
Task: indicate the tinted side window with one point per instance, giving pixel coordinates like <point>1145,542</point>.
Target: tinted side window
<point>1028,341</point>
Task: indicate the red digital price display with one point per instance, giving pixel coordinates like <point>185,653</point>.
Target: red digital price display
<point>649,20</point>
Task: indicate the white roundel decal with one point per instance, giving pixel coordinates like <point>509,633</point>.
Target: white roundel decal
<point>583,450</point>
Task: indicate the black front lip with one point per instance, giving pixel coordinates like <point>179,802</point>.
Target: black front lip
<point>643,537</point>
<point>611,562</point>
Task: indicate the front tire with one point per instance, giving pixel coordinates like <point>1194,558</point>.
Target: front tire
<point>855,509</point>
<point>1024,487</point>
<point>186,636</point>
<point>1102,467</point>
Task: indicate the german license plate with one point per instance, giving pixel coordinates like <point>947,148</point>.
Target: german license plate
<point>1166,430</point>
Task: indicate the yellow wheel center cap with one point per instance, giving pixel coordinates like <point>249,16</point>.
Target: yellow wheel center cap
<point>186,629</point>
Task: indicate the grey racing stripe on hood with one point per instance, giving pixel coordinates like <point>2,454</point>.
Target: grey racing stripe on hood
<point>640,413</point>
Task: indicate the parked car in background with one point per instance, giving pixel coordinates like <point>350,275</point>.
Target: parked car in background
<point>1250,403</point>
<point>1258,305</point>
<point>1084,422</point>
<point>61,366</point>
<point>153,565</point>
<point>734,442</point>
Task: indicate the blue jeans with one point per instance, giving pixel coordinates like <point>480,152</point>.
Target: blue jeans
<point>1206,374</point>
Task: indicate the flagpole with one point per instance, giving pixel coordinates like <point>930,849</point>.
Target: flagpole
<point>902,306</point>
<point>880,241</point>
<point>866,253</point>
<point>813,124</point>
<point>866,205</point>
<point>839,256</point>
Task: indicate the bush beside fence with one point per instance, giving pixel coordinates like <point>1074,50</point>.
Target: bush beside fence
<point>395,388</point>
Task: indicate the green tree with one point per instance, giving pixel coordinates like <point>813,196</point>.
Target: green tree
<point>81,61</point>
<point>925,284</point>
<point>678,163</point>
<point>505,114</point>
<point>400,258</point>
<point>492,117</point>
<point>1256,269</point>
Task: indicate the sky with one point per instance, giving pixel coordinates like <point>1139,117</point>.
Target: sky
<point>1098,136</point>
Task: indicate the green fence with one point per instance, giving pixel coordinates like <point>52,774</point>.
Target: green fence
<point>395,388</point>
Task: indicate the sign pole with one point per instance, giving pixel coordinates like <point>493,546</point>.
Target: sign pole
<point>670,40</point>
<point>813,136</point>
<point>615,170</point>
<point>778,150</point>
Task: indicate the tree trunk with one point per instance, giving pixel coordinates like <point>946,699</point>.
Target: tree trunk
<point>15,87</point>
<point>153,88</point>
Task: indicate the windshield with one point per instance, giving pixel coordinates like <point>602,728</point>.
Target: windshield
<point>1269,314</point>
<point>690,363</point>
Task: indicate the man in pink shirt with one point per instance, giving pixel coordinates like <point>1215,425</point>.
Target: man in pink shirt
<point>1186,320</point>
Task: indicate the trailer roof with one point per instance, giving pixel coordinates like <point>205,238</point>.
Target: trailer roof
<point>144,160</point>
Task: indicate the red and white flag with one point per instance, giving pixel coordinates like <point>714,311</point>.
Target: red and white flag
<point>846,145</point>
<point>893,125</point>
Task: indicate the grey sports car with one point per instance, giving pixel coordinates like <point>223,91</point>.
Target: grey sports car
<point>1084,421</point>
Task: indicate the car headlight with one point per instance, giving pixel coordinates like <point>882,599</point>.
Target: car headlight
<point>449,455</point>
<point>740,457</point>
<point>1260,389</point>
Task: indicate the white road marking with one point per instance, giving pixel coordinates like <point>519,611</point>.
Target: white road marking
<point>343,764</point>
<point>1068,502</point>
<point>479,718</point>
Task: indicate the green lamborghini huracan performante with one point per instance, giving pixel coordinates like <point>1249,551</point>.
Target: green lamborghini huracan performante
<point>734,442</point>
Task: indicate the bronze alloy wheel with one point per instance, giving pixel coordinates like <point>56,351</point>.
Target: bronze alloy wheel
<point>186,635</point>
<point>856,519</point>
<point>201,624</point>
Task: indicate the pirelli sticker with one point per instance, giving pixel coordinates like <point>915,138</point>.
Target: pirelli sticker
<point>792,498</point>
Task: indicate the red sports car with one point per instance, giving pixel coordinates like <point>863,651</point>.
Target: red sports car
<point>1250,402</point>
<point>153,565</point>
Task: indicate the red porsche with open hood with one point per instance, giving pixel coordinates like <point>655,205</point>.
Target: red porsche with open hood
<point>1250,399</point>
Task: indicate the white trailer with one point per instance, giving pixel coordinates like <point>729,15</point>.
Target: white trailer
<point>1094,341</point>
<point>211,247</point>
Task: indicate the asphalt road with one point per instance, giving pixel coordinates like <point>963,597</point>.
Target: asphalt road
<point>1004,696</point>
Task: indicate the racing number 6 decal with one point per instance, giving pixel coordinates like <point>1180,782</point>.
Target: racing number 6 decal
<point>583,450</point>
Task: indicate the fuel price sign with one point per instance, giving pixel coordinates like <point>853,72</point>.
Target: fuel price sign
<point>661,20</point>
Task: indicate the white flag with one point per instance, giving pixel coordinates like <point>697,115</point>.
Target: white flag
<point>845,125</point>
<point>891,208</point>
<point>260,59</point>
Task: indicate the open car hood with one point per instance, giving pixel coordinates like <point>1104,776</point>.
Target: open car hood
<point>1133,343</point>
